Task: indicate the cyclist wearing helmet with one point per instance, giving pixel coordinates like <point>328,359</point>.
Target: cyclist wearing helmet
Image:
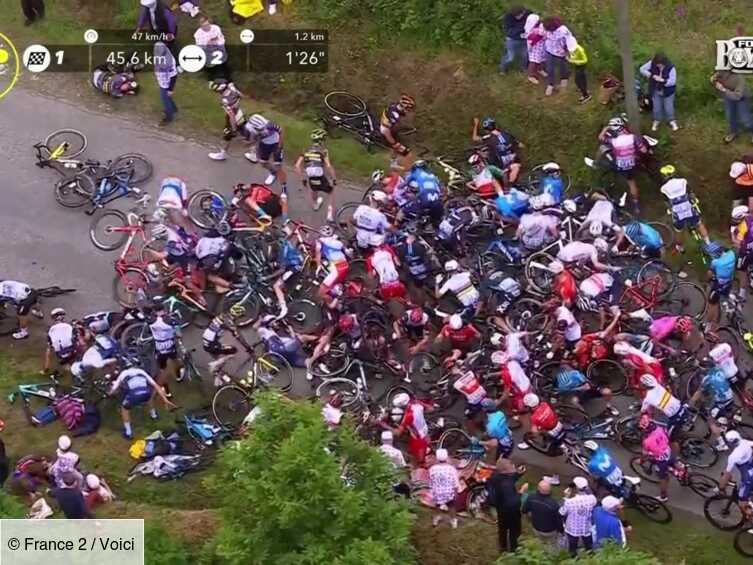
<point>537,229</point>
<point>721,274</point>
<point>173,199</point>
<point>512,203</point>
<point>25,300</point>
<point>544,421</point>
<point>291,263</point>
<point>213,251</point>
<point>116,84</point>
<point>330,249</point>
<point>497,430</point>
<point>258,201</point>
<point>572,384</point>
<point>596,345</point>
<point>62,340</point>
<point>467,383</point>
<point>724,357</point>
<point>487,179</point>
<point>456,220</point>
<point>413,421</point>
<point>390,120</point>
<point>137,388</point>
<point>318,174</point>
<point>716,386</point>
<point>220,352</point>
<point>268,138</point>
<point>664,327</point>
<point>416,254</point>
<point>742,173</point>
<point>384,263</point>
<point>623,150</point>
<point>235,121</point>
<point>740,459</point>
<point>603,467</point>
<point>461,337</point>
<point>564,285</point>
<point>429,189</point>
<point>287,344</point>
<point>660,401</point>
<point>501,147</point>
<point>103,352</point>
<point>683,205</point>
<point>641,236</point>
<point>369,220</point>
<point>600,217</point>
<point>585,253</point>
<point>413,325</point>
<point>551,185</point>
<point>460,284</point>
<point>637,363</point>
<point>741,234</point>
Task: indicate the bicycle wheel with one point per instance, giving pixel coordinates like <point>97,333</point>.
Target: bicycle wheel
<point>658,271</point>
<point>68,194</point>
<point>687,299</point>
<point>703,485</point>
<point>230,406</point>
<point>667,233</point>
<point>629,435</point>
<point>138,337</point>
<point>424,367</point>
<point>524,314</point>
<point>331,364</point>
<point>571,416</point>
<point>343,219</point>
<point>75,140</point>
<point>102,230</point>
<point>273,371</point>
<point>135,165</point>
<point>723,512</point>
<point>457,443</point>
<point>207,208</point>
<point>652,508</point>
<point>532,180</point>
<point>304,316</point>
<point>606,373</point>
<point>245,305</point>
<point>130,287</point>
<point>345,104</point>
<point>645,469</point>
<point>743,542</point>
<point>537,272</point>
<point>696,452</point>
<point>346,388</point>
<point>479,505</point>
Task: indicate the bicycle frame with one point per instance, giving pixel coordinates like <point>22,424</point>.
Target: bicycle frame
<point>109,189</point>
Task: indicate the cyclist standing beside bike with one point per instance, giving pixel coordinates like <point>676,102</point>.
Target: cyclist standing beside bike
<point>62,339</point>
<point>683,204</point>
<point>741,458</point>
<point>741,233</point>
<point>414,421</point>
<point>390,120</point>
<point>318,174</point>
<point>165,336</point>
<point>25,300</point>
<point>721,274</point>
<point>268,137</point>
<point>715,383</point>
<point>626,149</point>
<point>384,263</point>
<point>219,352</point>
<point>370,221</point>
<point>235,120</point>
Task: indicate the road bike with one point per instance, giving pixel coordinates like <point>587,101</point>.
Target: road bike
<point>701,484</point>
<point>9,321</point>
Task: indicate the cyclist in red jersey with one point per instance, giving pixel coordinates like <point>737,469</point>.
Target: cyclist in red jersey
<point>544,421</point>
<point>384,262</point>
<point>638,363</point>
<point>564,286</point>
<point>460,336</point>
<point>594,346</point>
<point>258,200</point>
<point>414,421</point>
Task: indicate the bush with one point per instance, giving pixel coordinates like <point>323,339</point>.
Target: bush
<point>284,500</point>
<point>162,549</point>
<point>11,507</point>
<point>531,552</point>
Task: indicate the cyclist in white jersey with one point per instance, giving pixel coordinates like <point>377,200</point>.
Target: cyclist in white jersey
<point>724,358</point>
<point>173,199</point>
<point>581,252</point>
<point>536,230</point>
<point>166,336</point>
<point>330,249</point>
<point>369,220</point>
<point>460,284</point>
<point>62,340</point>
<point>137,388</point>
<point>25,300</point>
<point>682,202</point>
<point>601,214</point>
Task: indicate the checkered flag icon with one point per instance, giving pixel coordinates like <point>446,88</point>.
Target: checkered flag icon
<point>37,58</point>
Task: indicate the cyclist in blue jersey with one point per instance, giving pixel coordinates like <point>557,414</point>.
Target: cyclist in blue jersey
<point>574,384</point>
<point>511,203</point>
<point>641,236</point>
<point>278,340</point>
<point>551,185</point>
<point>605,469</point>
<point>429,189</point>
<point>497,429</point>
<point>722,266</point>
<point>715,385</point>
<point>291,263</point>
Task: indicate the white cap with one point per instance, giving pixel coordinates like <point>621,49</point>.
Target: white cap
<point>401,400</point>
<point>496,338</point>
<point>378,196</point>
<point>77,369</point>
<point>556,266</point>
<point>92,481</point>
<point>551,166</point>
<point>442,455</point>
<point>64,443</point>
<point>739,212</point>
<point>57,312</point>
<point>732,436</point>
<point>387,436</point>
<point>451,265</point>
<point>595,228</point>
<point>611,503</point>
<point>456,322</point>
<point>580,483</point>
<point>531,400</point>
<point>148,3</point>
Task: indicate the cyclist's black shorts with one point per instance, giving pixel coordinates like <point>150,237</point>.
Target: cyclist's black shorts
<point>24,306</point>
<point>163,358</point>
<point>216,349</point>
<point>744,261</point>
<point>269,151</point>
<point>719,291</point>
<point>272,206</point>
<point>320,184</point>
<point>741,192</point>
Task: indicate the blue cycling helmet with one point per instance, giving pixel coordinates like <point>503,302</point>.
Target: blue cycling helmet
<point>632,230</point>
<point>712,249</point>
<point>420,164</point>
<point>488,123</point>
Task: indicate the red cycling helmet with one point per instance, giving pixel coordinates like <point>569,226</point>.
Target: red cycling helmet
<point>684,325</point>
<point>416,315</point>
<point>346,322</point>
<point>599,349</point>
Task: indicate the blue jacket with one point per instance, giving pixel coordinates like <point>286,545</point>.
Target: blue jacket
<point>608,527</point>
<point>668,73</point>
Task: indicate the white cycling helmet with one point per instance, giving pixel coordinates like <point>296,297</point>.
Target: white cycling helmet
<point>556,266</point>
<point>531,400</point>
<point>595,228</point>
<point>499,358</point>
<point>377,175</point>
<point>551,167</point>
<point>327,231</point>
<point>258,122</point>
<point>377,239</point>
<point>591,445</point>
<point>64,443</point>
<point>496,339</point>
<point>56,312</point>
<point>601,245</point>
<point>401,400</point>
<point>621,348</point>
<point>538,202</point>
<point>648,380</point>
<point>451,266</point>
<point>456,322</point>
<point>570,206</point>
<point>92,481</point>
<point>739,212</point>
<point>378,196</point>
<point>77,369</point>
<point>732,436</point>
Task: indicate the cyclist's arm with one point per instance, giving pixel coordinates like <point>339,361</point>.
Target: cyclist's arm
<point>597,264</point>
<point>116,384</point>
<point>47,358</point>
<point>330,169</point>
<point>474,133</point>
<point>696,397</point>
<point>318,255</point>
<point>299,168</point>
<point>724,480</point>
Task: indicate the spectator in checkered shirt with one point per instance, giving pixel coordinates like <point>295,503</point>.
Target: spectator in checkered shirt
<point>577,509</point>
<point>166,73</point>
<point>444,482</point>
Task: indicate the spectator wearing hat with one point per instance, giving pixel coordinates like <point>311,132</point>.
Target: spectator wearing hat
<point>535,34</point>
<point>69,497</point>
<point>577,508</point>
<point>444,482</point>
<point>544,511</point>
<point>397,459</point>
<point>607,522</point>
<point>556,45</point>
<point>96,492</point>
<point>505,497</point>
<point>209,36</point>
<point>67,462</point>
<point>513,23</point>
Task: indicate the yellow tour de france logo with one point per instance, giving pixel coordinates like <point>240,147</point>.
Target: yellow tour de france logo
<point>10,65</point>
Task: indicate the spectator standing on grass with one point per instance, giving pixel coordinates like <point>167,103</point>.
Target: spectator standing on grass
<point>505,497</point>
<point>544,511</point>
<point>209,36</point>
<point>577,508</point>
<point>578,59</point>
<point>444,481</point>
<point>736,95</point>
<point>662,82</point>
<point>607,524</point>
<point>535,35</point>
<point>513,23</point>
<point>555,44</point>
<point>33,10</point>
<point>166,73</point>
<point>157,18</point>
<point>70,499</point>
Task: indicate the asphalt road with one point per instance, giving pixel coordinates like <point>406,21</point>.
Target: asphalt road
<point>45,244</point>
